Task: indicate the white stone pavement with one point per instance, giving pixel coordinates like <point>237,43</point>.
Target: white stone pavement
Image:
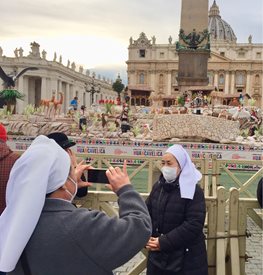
<point>254,249</point>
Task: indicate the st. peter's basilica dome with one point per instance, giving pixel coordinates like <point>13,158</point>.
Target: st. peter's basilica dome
<point>219,29</point>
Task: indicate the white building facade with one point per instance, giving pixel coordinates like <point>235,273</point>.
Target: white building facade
<point>52,77</point>
<point>233,68</point>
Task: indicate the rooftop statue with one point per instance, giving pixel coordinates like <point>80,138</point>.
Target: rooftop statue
<point>9,80</point>
<point>34,50</point>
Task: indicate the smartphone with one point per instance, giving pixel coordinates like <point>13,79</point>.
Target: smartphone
<point>97,176</point>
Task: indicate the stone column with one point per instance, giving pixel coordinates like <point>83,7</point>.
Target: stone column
<point>194,15</point>
<point>226,90</point>
<point>193,56</point>
<point>232,89</point>
<point>20,103</point>
<point>153,80</point>
<point>44,88</point>
<point>216,80</point>
<point>59,86</point>
<point>248,88</point>
<point>54,86</point>
<point>169,83</point>
<point>25,88</point>
<point>67,98</point>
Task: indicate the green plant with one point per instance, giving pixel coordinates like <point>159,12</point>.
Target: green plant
<point>112,127</point>
<point>29,110</point>
<point>10,96</point>
<point>244,133</point>
<point>180,100</point>
<point>117,86</point>
<point>136,130</point>
<point>108,107</point>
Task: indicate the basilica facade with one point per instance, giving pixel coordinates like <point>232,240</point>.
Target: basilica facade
<point>234,69</point>
<point>53,78</point>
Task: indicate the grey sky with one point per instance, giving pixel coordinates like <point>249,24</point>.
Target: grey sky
<point>51,22</point>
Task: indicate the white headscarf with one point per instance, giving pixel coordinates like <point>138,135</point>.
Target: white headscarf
<point>189,176</point>
<point>42,169</point>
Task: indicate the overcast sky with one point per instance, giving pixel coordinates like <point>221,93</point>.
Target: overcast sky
<point>95,33</point>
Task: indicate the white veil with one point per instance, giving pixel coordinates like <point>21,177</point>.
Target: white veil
<point>42,169</point>
<point>189,176</point>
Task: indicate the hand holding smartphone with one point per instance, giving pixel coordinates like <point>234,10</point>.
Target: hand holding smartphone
<point>97,176</point>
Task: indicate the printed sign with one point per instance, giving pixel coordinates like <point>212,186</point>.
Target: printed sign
<point>152,149</point>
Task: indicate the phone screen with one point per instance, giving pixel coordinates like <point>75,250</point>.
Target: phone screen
<point>97,176</point>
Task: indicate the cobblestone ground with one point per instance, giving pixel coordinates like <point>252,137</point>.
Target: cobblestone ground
<point>254,266</point>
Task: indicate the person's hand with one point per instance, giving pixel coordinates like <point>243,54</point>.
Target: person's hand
<point>153,244</point>
<point>72,157</point>
<point>117,177</point>
<point>79,170</point>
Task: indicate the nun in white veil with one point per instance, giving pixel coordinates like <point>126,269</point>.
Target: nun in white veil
<point>177,208</point>
<point>42,169</point>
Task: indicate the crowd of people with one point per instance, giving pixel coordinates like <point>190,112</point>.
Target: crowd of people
<point>43,232</point>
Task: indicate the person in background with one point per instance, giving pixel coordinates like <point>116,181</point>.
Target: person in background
<point>259,192</point>
<point>74,103</point>
<point>47,234</point>
<point>177,208</point>
<point>63,141</point>
<point>7,160</point>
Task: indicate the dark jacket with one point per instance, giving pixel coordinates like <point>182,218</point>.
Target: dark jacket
<point>179,225</point>
<point>259,192</point>
<point>7,160</point>
<point>75,241</point>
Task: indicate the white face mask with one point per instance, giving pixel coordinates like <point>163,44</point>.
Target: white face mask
<point>169,173</point>
<point>76,189</point>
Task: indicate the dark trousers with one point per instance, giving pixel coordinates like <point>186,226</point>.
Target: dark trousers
<point>2,273</point>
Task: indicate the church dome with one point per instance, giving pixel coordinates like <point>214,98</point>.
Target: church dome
<point>218,28</point>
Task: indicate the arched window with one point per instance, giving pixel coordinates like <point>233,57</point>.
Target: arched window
<point>141,79</point>
<point>221,79</point>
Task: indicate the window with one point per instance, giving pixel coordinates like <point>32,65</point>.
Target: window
<point>240,79</point>
<point>210,78</point>
<point>258,55</point>
<point>142,53</point>
<point>161,54</point>
<point>221,79</point>
<point>241,54</point>
<point>222,53</point>
<point>141,78</point>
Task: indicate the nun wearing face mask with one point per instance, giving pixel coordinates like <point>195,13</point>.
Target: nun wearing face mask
<point>177,208</point>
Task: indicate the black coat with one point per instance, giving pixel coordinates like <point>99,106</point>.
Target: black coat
<point>179,225</point>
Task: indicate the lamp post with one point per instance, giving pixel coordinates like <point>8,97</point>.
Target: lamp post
<point>92,88</point>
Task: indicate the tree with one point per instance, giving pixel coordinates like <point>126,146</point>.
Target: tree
<point>118,87</point>
<point>10,96</point>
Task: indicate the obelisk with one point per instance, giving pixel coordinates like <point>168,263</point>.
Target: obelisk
<point>194,46</point>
